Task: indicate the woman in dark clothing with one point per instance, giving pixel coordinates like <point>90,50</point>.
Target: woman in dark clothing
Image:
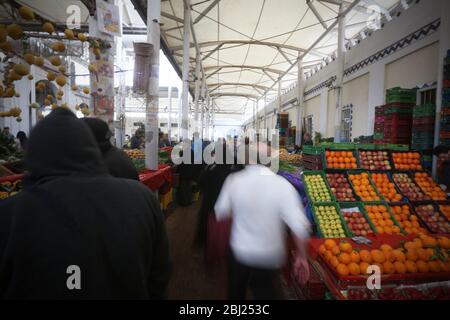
<point>117,161</point>
<point>22,137</point>
<point>210,183</point>
<point>72,215</point>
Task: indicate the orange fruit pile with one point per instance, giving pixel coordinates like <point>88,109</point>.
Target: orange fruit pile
<point>385,187</point>
<point>382,220</point>
<point>415,256</point>
<point>363,187</point>
<point>407,220</point>
<point>427,184</point>
<point>445,209</point>
<point>341,160</point>
<point>406,160</point>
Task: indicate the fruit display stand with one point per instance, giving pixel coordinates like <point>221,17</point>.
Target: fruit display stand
<point>308,185</point>
<point>388,250</point>
<point>155,179</point>
<point>356,219</point>
<point>431,216</point>
<point>10,185</point>
<point>329,221</point>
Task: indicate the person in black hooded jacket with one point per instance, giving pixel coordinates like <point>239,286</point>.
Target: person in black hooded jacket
<point>117,161</point>
<point>73,213</point>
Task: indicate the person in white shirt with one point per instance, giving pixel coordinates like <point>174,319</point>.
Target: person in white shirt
<point>261,204</point>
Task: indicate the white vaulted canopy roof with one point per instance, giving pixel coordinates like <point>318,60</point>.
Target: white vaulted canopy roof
<point>246,45</point>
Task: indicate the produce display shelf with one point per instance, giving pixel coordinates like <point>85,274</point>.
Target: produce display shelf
<point>376,149</point>
<point>322,174</point>
<point>316,220</point>
<point>350,172</point>
<point>344,282</point>
<point>383,203</point>
<point>435,205</point>
<point>360,206</point>
<point>391,180</point>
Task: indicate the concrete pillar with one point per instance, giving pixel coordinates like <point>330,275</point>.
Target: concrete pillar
<point>300,102</point>
<point>169,131</point>
<point>185,69</point>
<point>197,90</point>
<point>444,46</point>
<point>213,119</point>
<point>340,73</point>
<point>151,110</point>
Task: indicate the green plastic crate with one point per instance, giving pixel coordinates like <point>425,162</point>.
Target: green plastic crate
<point>397,110</point>
<point>322,174</point>
<point>360,206</point>
<point>313,150</point>
<point>389,210</point>
<point>316,220</point>
<point>397,147</point>
<point>350,172</point>
<point>424,110</point>
<point>342,146</point>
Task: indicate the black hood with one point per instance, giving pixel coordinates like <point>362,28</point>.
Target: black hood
<point>101,132</point>
<point>61,145</point>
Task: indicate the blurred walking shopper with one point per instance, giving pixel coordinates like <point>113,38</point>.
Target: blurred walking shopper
<point>73,213</point>
<point>261,204</point>
<point>118,163</point>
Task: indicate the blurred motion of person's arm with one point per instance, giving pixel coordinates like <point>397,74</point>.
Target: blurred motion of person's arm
<point>223,206</point>
<point>294,216</point>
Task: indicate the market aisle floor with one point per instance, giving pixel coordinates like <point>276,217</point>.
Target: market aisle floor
<point>189,279</point>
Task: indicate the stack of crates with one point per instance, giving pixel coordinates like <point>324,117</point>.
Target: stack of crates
<point>378,131</point>
<point>423,127</point>
<point>398,116</point>
<point>444,134</point>
<point>283,127</point>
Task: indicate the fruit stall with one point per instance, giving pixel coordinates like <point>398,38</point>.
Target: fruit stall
<point>161,180</point>
<point>374,208</point>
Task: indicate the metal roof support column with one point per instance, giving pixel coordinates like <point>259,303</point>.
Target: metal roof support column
<point>169,132</point>
<point>444,45</point>
<point>213,120</point>
<point>197,90</point>
<point>340,73</point>
<point>185,94</point>
<point>152,98</point>
<point>279,95</point>
<point>300,101</point>
<point>265,116</point>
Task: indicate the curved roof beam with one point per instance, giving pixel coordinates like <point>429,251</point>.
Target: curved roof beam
<point>255,86</point>
<point>230,94</point>
<point>266,69</point>
<point>243,42</point>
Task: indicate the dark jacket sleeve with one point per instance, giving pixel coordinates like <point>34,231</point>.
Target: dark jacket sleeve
<point>161,266</point>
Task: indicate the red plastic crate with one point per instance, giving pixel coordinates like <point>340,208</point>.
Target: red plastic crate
<point>444,134</point>
<point>424,120</point>
<point>399,105</point>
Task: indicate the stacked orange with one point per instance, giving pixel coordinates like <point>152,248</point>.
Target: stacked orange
<point>445,209</point>
<point>385,187</point>
<point>416,256</point>
<point>381,219</point>
<point>406,160</point>
<point>343,257</point>
<point>341,160</point>
<point>408,221</point>
<point>363,187</point>
<point>427,184</point>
